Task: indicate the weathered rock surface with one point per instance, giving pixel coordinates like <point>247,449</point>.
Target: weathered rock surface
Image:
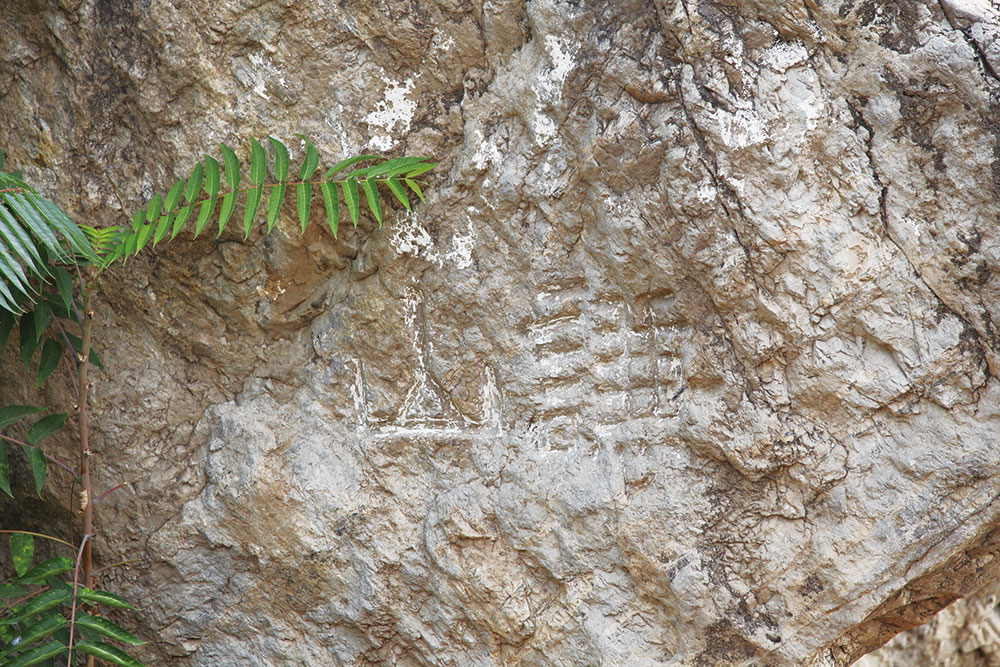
<point>690,359</point>
<point>964,634</point>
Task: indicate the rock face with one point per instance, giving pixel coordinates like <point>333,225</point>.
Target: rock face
<point>689,359</point>
<point>965,634</point>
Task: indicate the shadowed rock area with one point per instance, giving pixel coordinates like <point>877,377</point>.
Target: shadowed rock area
<point>689,359</point>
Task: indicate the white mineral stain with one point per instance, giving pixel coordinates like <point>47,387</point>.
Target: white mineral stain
<point>409,237</point>
<point>543,127</point>
<point>548,88</point>
<point>784,55</point>
<point>443,41</point>
<point>396,110</point>
<point>263,71</point>
<point>460,251</point>
<point>486,153</point>
<point>741,129</point>
<point>562,61</point>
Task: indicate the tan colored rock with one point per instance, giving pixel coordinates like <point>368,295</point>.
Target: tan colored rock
<point>689,359</point>
<point>964,634</point>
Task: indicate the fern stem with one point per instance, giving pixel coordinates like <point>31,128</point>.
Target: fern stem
<point>42,535</point>
<point>35,594</point>
<point>69,346</point>
<point>47,456</point>
<point>110,491</point>
<point>83,397</point>
<point>274,185</point>
<point>120,563</point>
<point>76,585</point>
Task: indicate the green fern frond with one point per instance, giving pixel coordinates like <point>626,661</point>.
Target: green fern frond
<point>197,198</point>
<point>36,235</point>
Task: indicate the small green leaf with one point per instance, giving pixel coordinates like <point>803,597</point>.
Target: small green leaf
<point>250,212</point>
<point>162,227</point>
<point>405,166</point>
<point>26,209</point>
<point>29,342</point>
<point>15,237</point>
<point>43,315</point>
<point>119,250</point>
<point>49,568</point>
<point>212,177</point>
<point>228,205</point>
<point>64,283</point>
<point>107,628</point>
<point>78,346</point>
<point>344,164</point>
<point>371,194</point>
<point>144,234</point>
<point>204,215</point>
<point>22,550</point>
<point>4,471</point>
<point>232,167</point>
<point>39,604</point>
<point>51,354</point>
<point>182,216</point>
<point>350,189</point>
<point>389,167</point>
<point>173,196</point>
<point>194,183</point>
<point>332,201</point>
<point>274,205</point>
<point>11,413</point>
<point>311,162</point>
<point>39,467</point>
<point>42,628</point>
<point>12,271</point>
<point>400,193</point>
<point>421,169</point>
<point>109,653</point>
<point>258,163</point>
<point>102,597</point>
<point>130,244</point>
<point>137,219</point>
<point>280,159</point>
<point>37,655</point>
<point>155,206</point>
<point>45,427</point>
<point>303,202</point>
<point>8,302</point>
<point>1,158</point>
<point>7,322</point>
<point>15,230</point>
<point>59,221</point>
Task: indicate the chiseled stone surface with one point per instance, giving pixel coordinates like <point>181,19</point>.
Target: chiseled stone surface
<point>689,359</point>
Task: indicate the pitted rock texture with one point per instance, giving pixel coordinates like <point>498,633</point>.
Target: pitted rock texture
<point>965,634</point>
<point>689,359</point>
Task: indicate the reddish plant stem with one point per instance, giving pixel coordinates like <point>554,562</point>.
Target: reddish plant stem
<point>76,585</point>
<point>69,346</point>
<point>26,598</point>
<point>42,535</point>
<point>83,395</point>
<point>50,458</point>
<point>118,564</point>
<point>82,403</point>
<point>110,491</point>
